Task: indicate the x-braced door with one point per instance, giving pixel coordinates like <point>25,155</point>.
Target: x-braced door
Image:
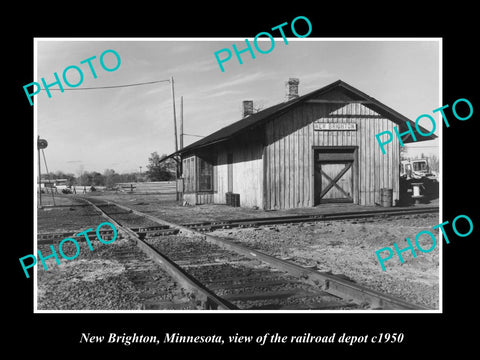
<point>333,181</point>
<point>334,176</point>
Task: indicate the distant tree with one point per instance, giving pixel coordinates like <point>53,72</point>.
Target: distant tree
<point>129,177</point>
<point>434,163</point>
<point>97,179</point>
<point>83,179</point>
<point>159,170</point>
<point>111,178</point>
<point>91,179</point>
<point>257,107</point>
<point>71,180</point>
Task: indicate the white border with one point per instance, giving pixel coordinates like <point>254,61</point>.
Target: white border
<point>280,312</point>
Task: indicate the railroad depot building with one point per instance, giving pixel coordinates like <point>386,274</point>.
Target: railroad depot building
<point>308,150</point>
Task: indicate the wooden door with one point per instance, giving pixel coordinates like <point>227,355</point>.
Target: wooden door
<point>333,181</point>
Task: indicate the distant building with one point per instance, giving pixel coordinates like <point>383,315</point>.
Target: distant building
<point>50,183</point>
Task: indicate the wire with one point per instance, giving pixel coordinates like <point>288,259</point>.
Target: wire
<point>112,87</point>
<point>194,135</point>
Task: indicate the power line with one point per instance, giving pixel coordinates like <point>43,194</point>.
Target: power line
<point>194,135</point>
<point>113,86</point>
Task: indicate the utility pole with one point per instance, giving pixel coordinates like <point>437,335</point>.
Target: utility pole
<point>39,173</point>
<point>49,181</point>
<point>177,172</point>
<point>181,122</point>
<point>41,144</point>
<point>174,115</point>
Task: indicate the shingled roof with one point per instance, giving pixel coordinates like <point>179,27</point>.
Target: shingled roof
<point>261,117</point>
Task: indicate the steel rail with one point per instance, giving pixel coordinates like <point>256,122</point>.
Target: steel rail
<point>308,218</point>
<point>332,284</point>
<point>209,299</point>
<point>329,283</point>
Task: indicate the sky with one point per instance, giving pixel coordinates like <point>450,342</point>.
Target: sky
<point>118,128</point>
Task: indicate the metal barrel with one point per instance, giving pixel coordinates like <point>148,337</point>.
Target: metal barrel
<point>386,197</point>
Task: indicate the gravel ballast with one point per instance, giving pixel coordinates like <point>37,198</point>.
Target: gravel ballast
<point>348,248</point>
<point>116,276</point>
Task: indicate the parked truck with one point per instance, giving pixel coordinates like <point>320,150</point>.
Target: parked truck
<point>418,171</point>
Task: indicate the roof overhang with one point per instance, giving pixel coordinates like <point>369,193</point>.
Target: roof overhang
<point>228,132</point>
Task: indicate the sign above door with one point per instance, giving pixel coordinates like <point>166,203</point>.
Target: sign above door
<point>323,126</point>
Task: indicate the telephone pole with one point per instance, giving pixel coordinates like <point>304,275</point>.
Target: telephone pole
<point>41,144</point>
<point>177,168</point>
<point>181,122</point>
<point>174,114</point>
<point>39,173</point>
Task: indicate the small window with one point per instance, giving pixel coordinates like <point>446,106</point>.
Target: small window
<point>205,175</point>
<point>419,166</point>
<point>189,174</point>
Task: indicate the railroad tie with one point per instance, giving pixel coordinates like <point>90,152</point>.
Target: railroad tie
<point>51,238</point>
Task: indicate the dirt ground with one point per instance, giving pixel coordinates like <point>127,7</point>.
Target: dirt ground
<point>344,247</point>
<point>348,248</point>
<point>68,218</point>
<point>165,207</point>
<point>117,276</point>
<point>341,247</point>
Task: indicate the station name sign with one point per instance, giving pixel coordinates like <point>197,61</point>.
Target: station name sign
<point>322,126</point>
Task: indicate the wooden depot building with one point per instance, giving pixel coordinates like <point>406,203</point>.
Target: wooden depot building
<point>310,149</point>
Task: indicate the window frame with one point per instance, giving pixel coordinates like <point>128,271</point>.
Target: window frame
<point>209,169</point>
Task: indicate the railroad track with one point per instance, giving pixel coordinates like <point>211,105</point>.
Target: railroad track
<point>224,275</point>
<point>255,222</point>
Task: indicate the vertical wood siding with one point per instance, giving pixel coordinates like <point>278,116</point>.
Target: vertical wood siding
<point>247,170</point>
<point>288,161</point>
<point>222,177</point>
<point>198,198</point>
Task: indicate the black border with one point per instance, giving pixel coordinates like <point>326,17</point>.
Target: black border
<point>58,334</point>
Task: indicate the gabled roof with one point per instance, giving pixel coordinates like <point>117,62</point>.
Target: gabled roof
<point>261,117</point>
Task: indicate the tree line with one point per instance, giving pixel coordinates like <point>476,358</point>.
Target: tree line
<point>156,171</point>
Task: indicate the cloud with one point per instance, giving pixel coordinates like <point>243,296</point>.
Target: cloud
<point>223,93</point>
<point>197,66</point>
<point>180,48</point>
<point>312,78</point>
<point>242,79</point>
